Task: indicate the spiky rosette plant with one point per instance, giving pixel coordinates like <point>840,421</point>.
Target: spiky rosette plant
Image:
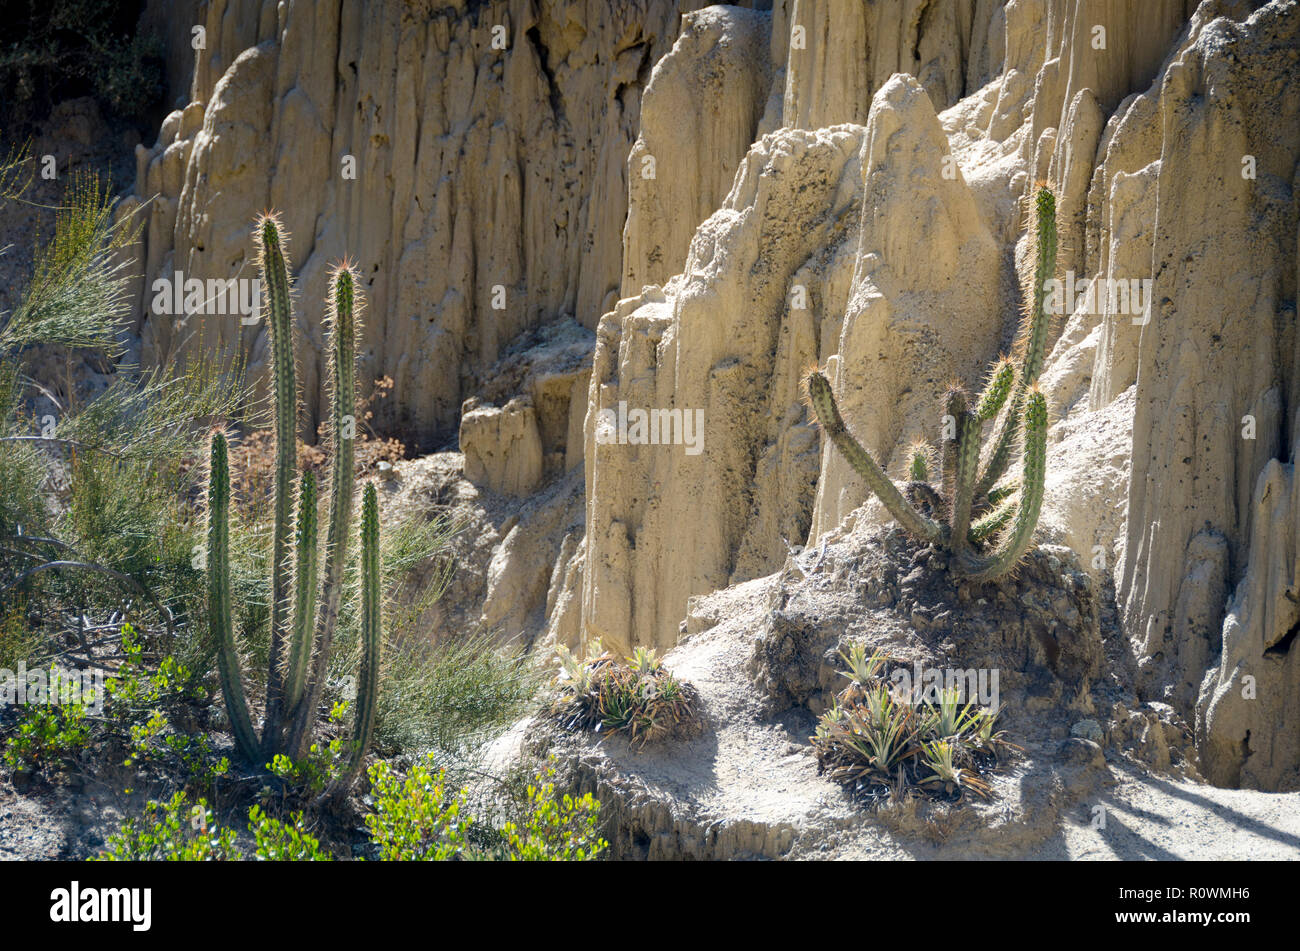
<point>303,618</point>
<point>987,527</point>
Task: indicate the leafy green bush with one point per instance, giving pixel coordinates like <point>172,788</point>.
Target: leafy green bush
<point>555,830</point>
<point>416,817</point>
<point>155,716</point>
<point>277,841</point>
<point>46,734</point>
<point>56,49</point>
<point>172,831</point>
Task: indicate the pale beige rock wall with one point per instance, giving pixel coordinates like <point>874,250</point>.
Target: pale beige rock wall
<point>476,168</point>
<point>1208,507</point>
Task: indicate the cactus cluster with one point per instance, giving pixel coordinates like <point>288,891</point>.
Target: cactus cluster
<point>986,527</point>
<point>302,624</point>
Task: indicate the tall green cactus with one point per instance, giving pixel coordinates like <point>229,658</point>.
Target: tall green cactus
<point>302,629</point>
<point>988,528</point>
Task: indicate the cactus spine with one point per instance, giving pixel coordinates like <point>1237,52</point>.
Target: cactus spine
<point>220,616</point>
<point>342,377</point>
<point>302,631</point>
<point>967,510</point>
<point>368,675</point>
<point>279,318</point>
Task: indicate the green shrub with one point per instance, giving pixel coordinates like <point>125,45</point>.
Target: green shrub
<point>555,830</point>
<point>172,831</point>
<point>46,734</point>
<point>52,50</point>
<point>416,818</point>
<point>277,841</point>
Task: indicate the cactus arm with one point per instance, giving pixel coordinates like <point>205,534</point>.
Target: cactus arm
<point>1015,543</point>
<point>279,315</point>
<point>1035,342</point>
<point>992,522</point>
<point>371,634</point>
<point>968,460</point>
<point>822,401</point>
<point>996,392</point>
<point>220,617</point>
<point>954,408</point>
<point>1032,344</point>
<point>1004,440</point>
<point>998,494</point>
<point>343,308</point>
<point>304,609</point>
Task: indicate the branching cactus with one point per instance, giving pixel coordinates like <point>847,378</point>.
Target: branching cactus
<point>986,526</point>
<point>303,619</point>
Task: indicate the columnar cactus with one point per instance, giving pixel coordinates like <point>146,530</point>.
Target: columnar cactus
<point>301,635</point>
<point>987,527</point>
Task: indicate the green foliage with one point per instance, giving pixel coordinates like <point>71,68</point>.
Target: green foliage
<point>178,831</point>
<point>46,735</point>
<point>555,830</point>
<point>172,831</point>
<point>319,766</point>
<point>51,50</point>
<point>278,841</point>
<point>151,714</point>
<point>78,295</point>
<point>640,698</point>
<point>416,818</point>
<point>451,697</point>
<point>93,505</point>
<point>966,513</point>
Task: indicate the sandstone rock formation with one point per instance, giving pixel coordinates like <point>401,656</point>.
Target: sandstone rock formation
<point>1134,218</point>
<point>699,114</point>
<point>721,341</point>
<point>833,182</point>
<point>481,189</point>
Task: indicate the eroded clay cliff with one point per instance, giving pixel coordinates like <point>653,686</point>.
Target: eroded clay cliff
<point>711,200</point>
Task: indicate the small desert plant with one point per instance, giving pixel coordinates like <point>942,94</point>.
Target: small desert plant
<point>301,631</point>
<point>641,697</point>
<point>881,742</point>
<point>46,735</point>
<point>175,831</point>
<point>987,527</point>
